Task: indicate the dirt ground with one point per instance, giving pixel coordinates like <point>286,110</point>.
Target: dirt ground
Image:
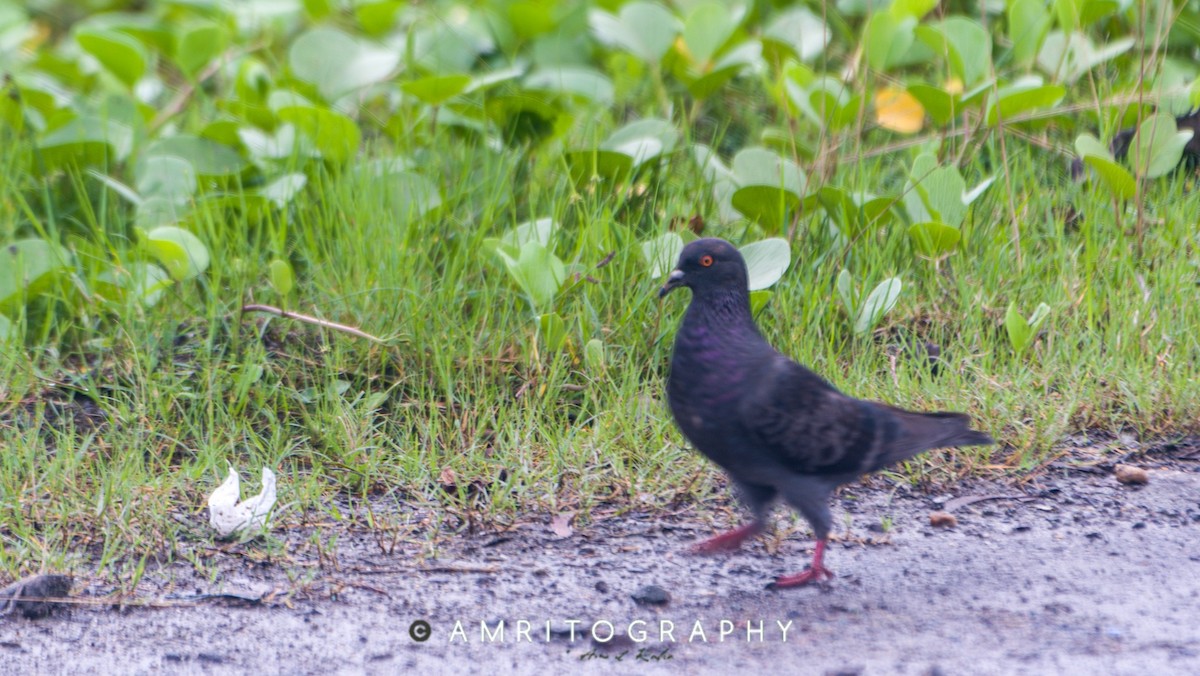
<point>1069,572</point>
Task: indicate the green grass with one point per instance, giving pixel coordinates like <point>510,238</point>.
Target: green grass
<point>464,416</point>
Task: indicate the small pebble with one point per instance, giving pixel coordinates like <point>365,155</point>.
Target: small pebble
<point>1130,475</point>
<point>651,595</point>
<point>942,520</point>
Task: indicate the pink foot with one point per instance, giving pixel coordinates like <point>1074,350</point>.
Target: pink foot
<point>725,542</point>
<point>815,573</point>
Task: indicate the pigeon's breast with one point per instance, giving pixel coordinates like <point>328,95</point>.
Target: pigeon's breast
<point>705,387</point>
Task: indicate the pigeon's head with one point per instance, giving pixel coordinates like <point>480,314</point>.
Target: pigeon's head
<point>708,264</point>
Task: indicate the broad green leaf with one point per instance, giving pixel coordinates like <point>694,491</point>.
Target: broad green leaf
<point>1096,155</point>
<point>144,282</point>
<point>645,29</point>
<point>338,63</point>
<point>708,27</point>
<point>593,355</point>
<point>585,83</point>
<point>797,32</point>
<point>766,261</point>
<point>540,230</point>
<point>85,141</point>
<point>28,267</point>
<point>282,278</point>
<point>643,140</point>
<point>1157,146</point>
<point>405,195</point>
<point>661,253</point>
<point>436,90</point>
<point>758,300</point>
<point>537,271</point>
<point>934,240</point>
<point>179,251</point>
<point>759,166</point>
<point>120,54</point>
<point>1017,328</point>
<point>167,177</point>
<point>553,331</point>
<point>965,43</point>
<point>887,38</point>
<point>610,165</point>
<point>1028,23</point>
<point>1022,96</point>
<point>208,158</point>
<point>198,45</point>
<point>878,303</point>
<point>334,135</point>
<point>935,195</point>
<point>1068,57</point>
<point>284,189</point>
<point>770,207</point>
<point>941,105</point>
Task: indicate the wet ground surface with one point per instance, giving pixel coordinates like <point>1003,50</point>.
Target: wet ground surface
<point>1069,572</point>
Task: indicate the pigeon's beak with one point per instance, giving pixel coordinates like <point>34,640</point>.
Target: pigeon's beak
<point>674,280</point>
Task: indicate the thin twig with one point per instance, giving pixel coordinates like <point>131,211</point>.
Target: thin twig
<point>309,319</point>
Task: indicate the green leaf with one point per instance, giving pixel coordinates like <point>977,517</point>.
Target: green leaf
<point>143,282</point>
<point>28,267</point>
<point>167,177</point>
<point>967,44</point>
<point>758,300</point>
<point>1028,23</point>
<point>587,84</point>
<point>766,261</point>
<point>438,89</point>
<point>1069,57</point>
<point>887,39</point>
<point>208,158</point>
<point>85,141</point>
<point>941,105</point>
<point>540,230</point>
<point>645,29</point>
<point>1022,96</point>
<point>1157,146</point>
<point>797,33</point>
<point>553,331</point>
<point>197,45</point>
<point>935,195</point>
<point>538,272</point>
<point>333,134</point>
<point>120,54</point>
<point>934,240</point>
<point>403,194</point>
<point>179,251</point>
<point>284,189</point>
<point>338,63</point>
<point>9,332</point>
<point>1097,156</point>
<point>880,301</point>
<point>609,165</point>
<point>709,26</point>
<point>661,253</point>
<point>281,275</point>
<point>1021,332</point>
<point>593,355</point>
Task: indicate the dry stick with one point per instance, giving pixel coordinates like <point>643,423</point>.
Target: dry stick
<point>308,319</point>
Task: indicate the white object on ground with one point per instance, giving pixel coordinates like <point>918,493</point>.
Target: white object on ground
<point>227,516</point>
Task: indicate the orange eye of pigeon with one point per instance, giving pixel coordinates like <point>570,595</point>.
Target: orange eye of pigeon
<point>706,260</point>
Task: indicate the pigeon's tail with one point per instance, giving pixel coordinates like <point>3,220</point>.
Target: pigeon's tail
<point>922,431</point>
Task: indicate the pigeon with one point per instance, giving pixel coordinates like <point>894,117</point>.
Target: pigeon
<point>776,428</point>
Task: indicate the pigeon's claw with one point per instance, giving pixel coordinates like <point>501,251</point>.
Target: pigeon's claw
<point>816,572</point>
<point>725,542</point>
<point>801,579</point>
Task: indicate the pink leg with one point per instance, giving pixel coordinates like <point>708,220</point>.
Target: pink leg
<point>726,542</point>
<point>816,571</point>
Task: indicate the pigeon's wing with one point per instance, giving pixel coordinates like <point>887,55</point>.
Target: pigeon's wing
<point>810,427</point>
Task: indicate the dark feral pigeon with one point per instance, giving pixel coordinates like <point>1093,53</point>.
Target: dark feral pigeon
<point>777,429</point>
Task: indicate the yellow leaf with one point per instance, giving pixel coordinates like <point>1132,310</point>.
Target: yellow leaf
<point>897,110</point>
<point>954,86</point>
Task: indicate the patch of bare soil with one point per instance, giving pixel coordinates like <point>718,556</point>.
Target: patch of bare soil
<point>1070,572</point>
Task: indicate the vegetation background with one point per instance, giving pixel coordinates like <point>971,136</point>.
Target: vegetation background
<point>493,188</point>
